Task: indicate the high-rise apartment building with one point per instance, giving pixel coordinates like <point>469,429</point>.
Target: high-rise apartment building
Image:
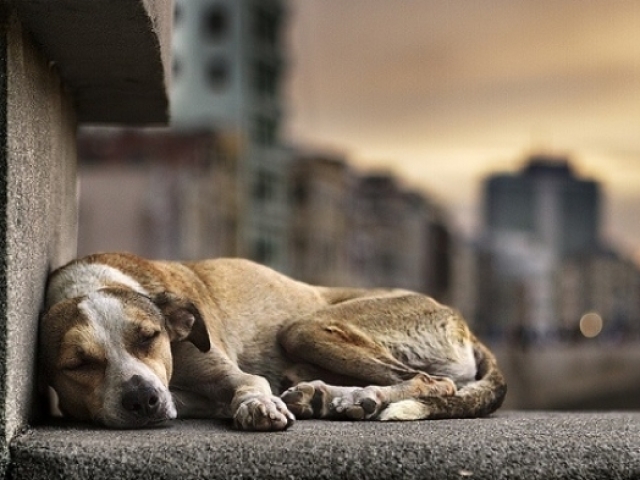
<point>546,202</point>
<point>534,219</point>
<point>320,198</point>
<point>229,63</point>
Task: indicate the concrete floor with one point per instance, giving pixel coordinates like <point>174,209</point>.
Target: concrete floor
<point>510,444</point>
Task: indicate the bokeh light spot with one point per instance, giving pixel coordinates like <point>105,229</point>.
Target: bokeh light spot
<point>591,325</point>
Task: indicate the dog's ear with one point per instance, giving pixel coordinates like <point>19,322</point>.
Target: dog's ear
<point>184,321</point>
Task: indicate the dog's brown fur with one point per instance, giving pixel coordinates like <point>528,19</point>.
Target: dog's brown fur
<point>234,333</point>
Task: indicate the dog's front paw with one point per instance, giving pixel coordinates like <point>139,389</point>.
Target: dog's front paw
<point>263,413</point>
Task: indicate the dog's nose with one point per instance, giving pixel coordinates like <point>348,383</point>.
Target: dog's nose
<point>139,397</point>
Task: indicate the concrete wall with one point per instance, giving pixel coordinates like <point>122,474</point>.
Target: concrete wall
<point>39,217</point>
<point>60,60</point>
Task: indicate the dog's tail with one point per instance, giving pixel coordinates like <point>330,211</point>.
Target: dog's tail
<point>476,399</point>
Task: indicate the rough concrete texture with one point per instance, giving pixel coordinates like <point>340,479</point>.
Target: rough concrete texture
<point>508,445</point>
<point>39,212</point>
<point>101,61</point>
<point>4,13</point>
<point>114,56</point>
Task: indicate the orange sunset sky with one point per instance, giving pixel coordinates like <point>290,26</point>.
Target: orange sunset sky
<point>444,92</point>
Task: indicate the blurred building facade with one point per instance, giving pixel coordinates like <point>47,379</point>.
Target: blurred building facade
<point>464,291</point>
<point>603,286</point>
<point>365,230</point>
<point>174,194</point>
<point>229,63</point>
<point>320,196</point>
<point>398,237</point>
<point>547,204</point>
<point>541,264</point>
<point>186,192</point>
<point>159,193</point>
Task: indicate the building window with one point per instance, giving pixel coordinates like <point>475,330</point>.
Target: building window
<point>217,72</point>
<point>300,193</point>
<point>215,22</point>
<point>264,187</point>
<point>265,130</point>
<point>266,78</point>
<point>176,67</point>
<point>177,14</point>
<point>267,24</point>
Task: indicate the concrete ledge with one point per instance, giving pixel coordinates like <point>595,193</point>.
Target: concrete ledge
<point>507,445</point>
<point>113,55</point>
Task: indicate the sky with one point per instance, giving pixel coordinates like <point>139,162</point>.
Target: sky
<point>443,93</point>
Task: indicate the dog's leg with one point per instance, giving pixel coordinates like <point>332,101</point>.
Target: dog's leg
<point>254,407</point>
<point>344,349</point>
<point>383,340</point>
<point>245,398</point>
<point>399,348</point>
<point>316,399</point>
<point>347,349</point>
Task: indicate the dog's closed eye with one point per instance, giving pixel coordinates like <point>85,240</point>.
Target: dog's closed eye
<point>82,363</point>
<point>146,338</point>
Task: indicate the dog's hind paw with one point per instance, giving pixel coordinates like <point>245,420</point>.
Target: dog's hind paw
<point>307,399</point>
<point>358,403</point>
<point>298,400</point>
<point>263,413</point>
<point>318,400</point>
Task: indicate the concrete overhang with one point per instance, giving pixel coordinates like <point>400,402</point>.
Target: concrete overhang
<point>114,56</point>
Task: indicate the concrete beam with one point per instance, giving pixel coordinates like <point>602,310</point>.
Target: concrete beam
<point>114,56</point>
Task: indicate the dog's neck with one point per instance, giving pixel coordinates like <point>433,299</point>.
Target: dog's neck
<point>83,278</point>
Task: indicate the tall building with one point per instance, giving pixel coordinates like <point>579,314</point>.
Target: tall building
<point>533,220</point>
<point>397,237</point>
<point>229,61</point>
<point>228,66</point>
<point>320,197</point>
<point>546,202</point>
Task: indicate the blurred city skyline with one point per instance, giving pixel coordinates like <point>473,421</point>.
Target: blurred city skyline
<point>445,93</point>
<point>445,105</point>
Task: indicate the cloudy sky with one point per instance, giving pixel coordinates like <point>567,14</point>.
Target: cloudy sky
<point>444,92</point>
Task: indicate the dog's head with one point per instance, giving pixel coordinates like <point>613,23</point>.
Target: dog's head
<point>107,355</point>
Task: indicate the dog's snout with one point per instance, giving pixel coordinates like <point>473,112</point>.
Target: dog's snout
<point>139,397</point>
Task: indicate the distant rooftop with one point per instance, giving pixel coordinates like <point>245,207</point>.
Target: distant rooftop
<point>548,164</point>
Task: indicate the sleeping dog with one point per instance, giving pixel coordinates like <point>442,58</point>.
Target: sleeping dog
<point>128,342</point>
